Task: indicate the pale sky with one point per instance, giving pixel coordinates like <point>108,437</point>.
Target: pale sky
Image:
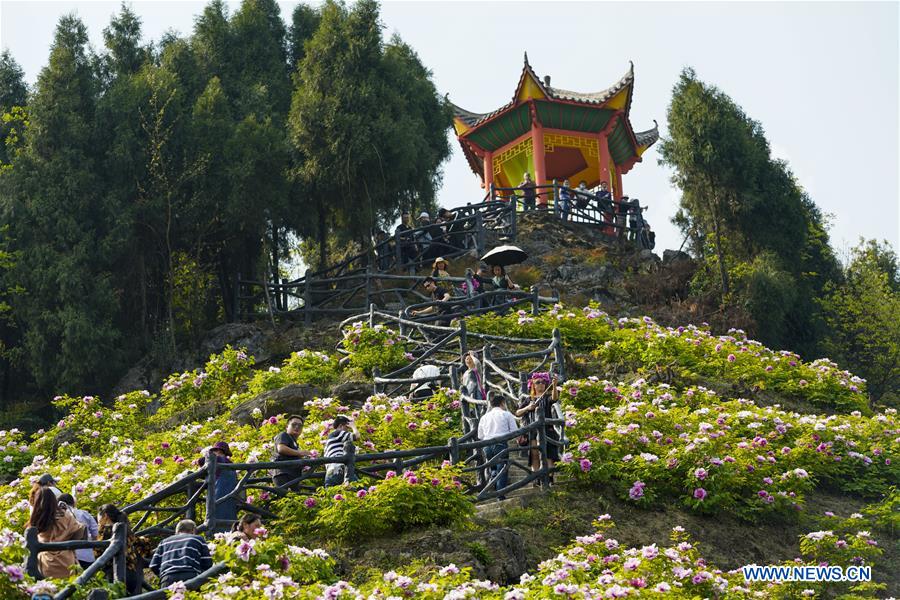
<point>822,78</point>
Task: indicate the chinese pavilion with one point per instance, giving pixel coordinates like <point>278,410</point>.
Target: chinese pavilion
<point>555,134</point>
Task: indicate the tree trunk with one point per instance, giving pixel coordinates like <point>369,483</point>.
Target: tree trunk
<point>720,254</point>
<point>323,239</point>
<point>170,312</point>
<point>145,330</point>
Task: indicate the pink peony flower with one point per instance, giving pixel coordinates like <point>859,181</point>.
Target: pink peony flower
<point>699,493</point>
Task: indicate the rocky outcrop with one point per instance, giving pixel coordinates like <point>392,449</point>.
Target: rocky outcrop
<point>236,335</point>
<point>352,393</point>
<point>494,554</point>
<point>289,399</point>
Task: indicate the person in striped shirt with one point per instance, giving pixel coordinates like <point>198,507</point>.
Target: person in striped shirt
<point>342,431</point>
<point>182,556</point>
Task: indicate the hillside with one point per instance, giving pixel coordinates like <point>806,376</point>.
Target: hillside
<point>667,428</point>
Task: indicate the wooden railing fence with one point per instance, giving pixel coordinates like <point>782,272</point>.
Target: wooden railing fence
<point>348,285</point>
<point>445,347</point>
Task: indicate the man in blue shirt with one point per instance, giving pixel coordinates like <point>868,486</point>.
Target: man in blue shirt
<point>182,556</point>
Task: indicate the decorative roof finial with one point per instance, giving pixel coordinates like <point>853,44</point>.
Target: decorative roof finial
<point>526,59</point>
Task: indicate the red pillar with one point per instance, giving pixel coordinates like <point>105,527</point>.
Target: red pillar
<point>603,147</point>
<point>603,144</point>
<point>540,169</point>
<point>488,163</point>
<point>619,192</point>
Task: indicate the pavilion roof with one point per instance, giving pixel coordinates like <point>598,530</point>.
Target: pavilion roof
<point>557,108</point>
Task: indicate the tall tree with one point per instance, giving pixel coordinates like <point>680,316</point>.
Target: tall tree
<point>13,91</point>
<point>122,38</point>
<point>13,96</point>
<point>259,59</point>
<point>863,316</point>
<point>717,153</point>
<point>362,134</point>
<point>768,240</point>
<point>304,22</point>
<point>60,219</point>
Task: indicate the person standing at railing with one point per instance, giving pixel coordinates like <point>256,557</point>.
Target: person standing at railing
<point>55,522</point>
<point>342,432</point>
<point>542,395</point>
<point>472,380</point>
<point>137,548</point>
<point>635,222</point>
<point>422,234</point>
<point>565,200</point>
<point>182,556</point>
<point>622,208</point>
<point>582,195</point>
<point>85,556</point>
<point>286,449</point>
<point>405,239</point>
<point>605,202</point>
<point>226,481</point>
<point>496,423</point>
<point>454,230</point>
<point>529,192</point>
<point>501,279</point>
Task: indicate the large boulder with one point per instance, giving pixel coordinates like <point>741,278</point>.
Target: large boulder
<point>352,393</point>
<point>674,256</point>
<point>142,376</point>
<point>289,399</point>
<point>236,335</point>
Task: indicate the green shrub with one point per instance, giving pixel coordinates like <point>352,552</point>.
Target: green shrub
<point>305,366</point>
<point>371,347</point>
<point>420,499</point>
<point>223,376</point>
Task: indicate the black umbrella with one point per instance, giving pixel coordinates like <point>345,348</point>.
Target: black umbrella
<point>505,256</point>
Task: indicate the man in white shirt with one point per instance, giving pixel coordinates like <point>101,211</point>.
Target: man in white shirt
<point>495,423</point>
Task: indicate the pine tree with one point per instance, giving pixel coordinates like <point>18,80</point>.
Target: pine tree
<point>62,227</point>
<point>362,124</point>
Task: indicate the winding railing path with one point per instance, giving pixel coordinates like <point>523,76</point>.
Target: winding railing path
<point>506,361</point>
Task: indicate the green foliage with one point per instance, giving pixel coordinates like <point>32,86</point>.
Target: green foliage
<point>763,241</point>
<point>304,366</point>
<point>863,316</point>
<point>374,347</point>
<point>14,453</point>
<point>642,346</point>
<point>192,295</point>
<point>62,227</point>
<point>655,444</point>
<point>581,330</point>
<point>270,555</point>
<point>218,382</point>
<point>413,500</point>
<point>388,424</point>
<point>885,515</point>
<point>355,96</point>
